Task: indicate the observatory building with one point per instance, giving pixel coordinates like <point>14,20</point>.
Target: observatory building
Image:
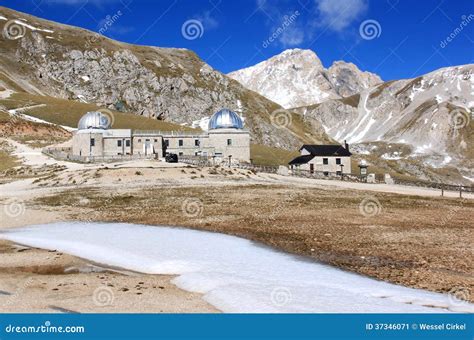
<point>225,139</point>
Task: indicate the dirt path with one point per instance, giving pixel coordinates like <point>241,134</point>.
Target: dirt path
<point>396,189</point>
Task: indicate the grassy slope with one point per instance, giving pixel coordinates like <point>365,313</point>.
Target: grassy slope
<point>67,112</point>
<point>7,160</point>
<point>265,155</point>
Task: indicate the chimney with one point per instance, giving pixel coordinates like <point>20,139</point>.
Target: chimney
<point>346,145</point>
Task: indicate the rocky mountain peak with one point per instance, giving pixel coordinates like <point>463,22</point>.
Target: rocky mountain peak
<point>297,77</point>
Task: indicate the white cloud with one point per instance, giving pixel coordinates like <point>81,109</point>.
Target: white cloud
<point>292,36</point>
<point>282,17</point>
<point>207,20</point>
<point>339,14</point>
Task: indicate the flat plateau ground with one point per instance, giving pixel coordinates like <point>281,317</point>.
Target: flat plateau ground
<point>415,239</point>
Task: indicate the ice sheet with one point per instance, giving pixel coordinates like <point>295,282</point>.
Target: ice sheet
<point>234,274</point>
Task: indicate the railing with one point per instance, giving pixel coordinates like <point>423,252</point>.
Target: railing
<point>380,179</point>
<point>165,134</point>
<point>66,155</point>
<point>325,175</point>
<point>220,161</point>
<point>434,185</point>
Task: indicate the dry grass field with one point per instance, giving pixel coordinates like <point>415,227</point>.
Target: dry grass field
<point>410,240</point>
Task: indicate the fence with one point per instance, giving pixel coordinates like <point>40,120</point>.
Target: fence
<point>66,155</point>
<point>209,161</point>
<point>434,185</point>
<point>325,175</point>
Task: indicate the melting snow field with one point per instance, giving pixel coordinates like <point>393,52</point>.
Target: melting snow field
<point>234,274</point>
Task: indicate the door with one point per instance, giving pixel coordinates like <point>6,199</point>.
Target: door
<point>148,146</point>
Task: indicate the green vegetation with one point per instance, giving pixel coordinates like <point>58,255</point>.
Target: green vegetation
<point>68,112</point>
<point>266,155</point>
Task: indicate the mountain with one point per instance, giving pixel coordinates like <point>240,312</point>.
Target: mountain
<point>45,58</point>
<point>431,115</point>
<point>297,78</point>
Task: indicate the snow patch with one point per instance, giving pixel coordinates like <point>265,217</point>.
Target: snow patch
<point>233,274</point>
<point>33,28</point>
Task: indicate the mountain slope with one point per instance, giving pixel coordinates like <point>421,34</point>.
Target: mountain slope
<point>168,84</point>
<point>432,114</point>
<point>297,78</point>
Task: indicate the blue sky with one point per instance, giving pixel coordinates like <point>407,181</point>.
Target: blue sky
<point>393,38</point>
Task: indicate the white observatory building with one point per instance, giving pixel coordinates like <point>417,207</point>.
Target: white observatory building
<point>226,139</point>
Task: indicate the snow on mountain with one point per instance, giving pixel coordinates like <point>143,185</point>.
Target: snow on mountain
<point>297,78</point>
<point>431,113</point>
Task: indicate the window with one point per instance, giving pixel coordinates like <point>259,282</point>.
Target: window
<point>196,142</point>
<point>147,140</point>
<point>156,140</point>
<point>326,173</point>
<point>92,141</point>
<point>127,143</point>
<point>167,142</point>
<point>119,143</point>
<point>139,140</point>
<point>229,142</point>
<point>325,160</point>
<point>196,153</point>
<point>218,154</point>
<point>180,154</point>
<point>338,173</point>
<point>338,161</point>
<point>180,142</point>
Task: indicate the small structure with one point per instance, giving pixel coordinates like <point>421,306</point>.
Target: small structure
<point>363,170</point>
<point>388,179</point>
<point>324,158</point>
<point>225,141</point>
<point>371,178</point>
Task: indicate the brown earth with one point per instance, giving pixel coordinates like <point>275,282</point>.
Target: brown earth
<point>40,281</point>
<point>415,241</point>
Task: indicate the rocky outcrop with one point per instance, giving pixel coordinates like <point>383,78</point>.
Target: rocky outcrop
<point>297,78</point>
<point>160,83</point>
<point>432,114</point>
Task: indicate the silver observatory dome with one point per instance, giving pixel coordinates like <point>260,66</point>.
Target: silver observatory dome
<point>225,119</point>
<point>94,120</point>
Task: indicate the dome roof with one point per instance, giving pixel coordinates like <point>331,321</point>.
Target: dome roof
<point>94,120</point>
<point>225,119</point>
